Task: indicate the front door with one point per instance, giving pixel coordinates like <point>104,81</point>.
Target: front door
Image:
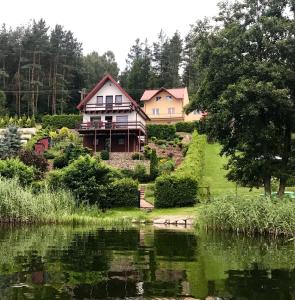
<point>109,120</point>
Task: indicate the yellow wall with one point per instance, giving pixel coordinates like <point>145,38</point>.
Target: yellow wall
<point>163,104</point>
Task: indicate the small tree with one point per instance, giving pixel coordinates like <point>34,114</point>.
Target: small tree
<point>10,144</point>
<point>154,169</point>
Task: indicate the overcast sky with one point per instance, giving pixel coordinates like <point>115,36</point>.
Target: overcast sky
<point>110,25</point>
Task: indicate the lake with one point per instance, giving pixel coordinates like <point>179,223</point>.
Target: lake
<point>56,262</point>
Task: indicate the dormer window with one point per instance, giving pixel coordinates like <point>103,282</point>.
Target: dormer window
<point>169,97</point>
<point>118,99</point>
<point>99,100</point>
<point>158,98</point>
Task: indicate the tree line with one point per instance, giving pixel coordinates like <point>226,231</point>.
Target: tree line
<point>43,70</point>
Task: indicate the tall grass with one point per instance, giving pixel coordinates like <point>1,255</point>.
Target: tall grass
<point>249,215</point>
<point>21,205</point>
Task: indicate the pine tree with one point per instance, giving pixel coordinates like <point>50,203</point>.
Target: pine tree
<point>10,144</point>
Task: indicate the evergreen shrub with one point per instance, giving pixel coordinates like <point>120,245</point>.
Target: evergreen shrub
<point>188,127</point>
<point>175,191</point>
<point>161,131</point>
<point>105,155</point>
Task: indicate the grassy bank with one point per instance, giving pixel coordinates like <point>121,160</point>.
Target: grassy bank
<point>249,215</point>
<point>214,175</point>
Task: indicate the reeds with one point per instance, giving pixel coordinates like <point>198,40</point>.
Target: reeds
<point>249,215</point>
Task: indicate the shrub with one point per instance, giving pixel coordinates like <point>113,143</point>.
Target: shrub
<point>140,173</point>
<point>87,178</point>
<point>154,169</point>
<point>175,191</point>
<point>166,166</point>
<point>147,151</point>
<point>10,144</point>
<point>105,155</point>
<point>160,142</point>
<point>122,193</point>
<point>48,155</point>
<point>137,156</point>
<point>10,168</point>
<point>23,122</point>
<point>60,161</point>
<point>186,126</point>
<point>30,158</point>
<point>193,164</point>
<point>73,151</point>
<point>164,132</point>
<point>59,121</point>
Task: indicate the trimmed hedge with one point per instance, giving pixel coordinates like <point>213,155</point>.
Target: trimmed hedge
<point>161,131</point>
<point>59,121</point>
<point>175,191</point>
<point>193,164</point>
<point>186,126</point>
<point>123,193</point>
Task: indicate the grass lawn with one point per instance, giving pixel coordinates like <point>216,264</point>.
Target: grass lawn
<point>214,175</point>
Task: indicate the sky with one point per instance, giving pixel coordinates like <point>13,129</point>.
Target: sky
<point>110,25</point>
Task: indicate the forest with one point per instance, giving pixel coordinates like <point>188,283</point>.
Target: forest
<point>43,70</point>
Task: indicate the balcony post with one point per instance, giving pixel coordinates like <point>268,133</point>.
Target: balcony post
<point>110,139</point>
<point>128,138</point>
<point>94,140</point>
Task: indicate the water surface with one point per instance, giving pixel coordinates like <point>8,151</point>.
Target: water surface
<point>54,262</point>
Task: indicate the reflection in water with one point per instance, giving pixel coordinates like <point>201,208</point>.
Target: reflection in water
<point>82,263</point>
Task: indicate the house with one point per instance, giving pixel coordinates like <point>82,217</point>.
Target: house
<point>167,105</point>
<point>112,120</point>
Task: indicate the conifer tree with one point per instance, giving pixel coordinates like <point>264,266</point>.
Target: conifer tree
<point>10,144</point>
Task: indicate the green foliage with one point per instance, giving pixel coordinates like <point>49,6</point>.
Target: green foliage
<point>18,204</point>
<point>73,151</point>
<point>22,122</point>
<point>11,168</point>
<point>186,126</point>
<point>3,109</point>
<point>140,173</point>
<point>60,161</point>
<point>137,156</point>
<point>154,164</point>
<point>147,152</point>
<point>123,193</point>
<point>59,121</point>
<point>10,143</point>
<point>105,155</point>
<point>175,191</point>
<point>193,164</point>
<point>161,131</point>
<point>30,158</point>
<point>87,178</point>
<point>166,166</point>
<point>249,215</point>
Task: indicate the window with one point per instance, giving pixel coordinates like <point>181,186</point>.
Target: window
<point>118,99</point>
<point>121,141</point>
<point>122,121</point>
<point>99,100</point>
<point>171,110</point>
<point>156,111</point>
<point>169,97</point>
<point>158,98</point>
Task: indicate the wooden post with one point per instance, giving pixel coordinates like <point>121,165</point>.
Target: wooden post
<point>139,142</point>
<point>94,141</point>
<point>128,141</point>
<point>110,140</point>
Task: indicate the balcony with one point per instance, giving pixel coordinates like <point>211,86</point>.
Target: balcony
<point>109,107</point>
<point>106,126</point>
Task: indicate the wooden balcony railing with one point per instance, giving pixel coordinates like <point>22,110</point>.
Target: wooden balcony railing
<point>99,125</point>
<point>108,107</point>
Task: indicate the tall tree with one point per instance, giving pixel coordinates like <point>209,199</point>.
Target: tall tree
<point>248,90</point>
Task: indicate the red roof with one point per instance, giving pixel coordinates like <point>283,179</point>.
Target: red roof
<point>177,93</point>
<point>99,85</point>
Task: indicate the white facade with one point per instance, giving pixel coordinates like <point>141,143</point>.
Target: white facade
<point>110,89</point>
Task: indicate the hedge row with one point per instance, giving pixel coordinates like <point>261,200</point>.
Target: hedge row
<point>161,131</point>
<point>186,126</point>
<point>175,191</point>
<point>59,121</point>
<point>180,188</point>
<point>22,122</point>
